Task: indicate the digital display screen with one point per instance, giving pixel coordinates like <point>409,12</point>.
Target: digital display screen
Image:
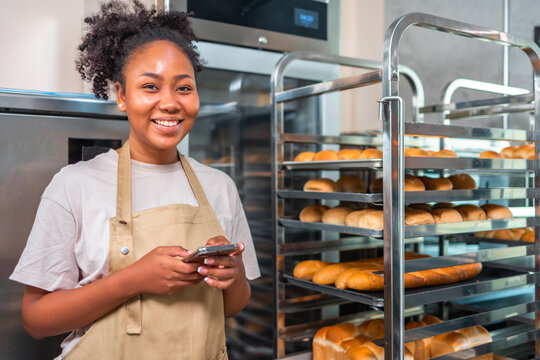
<point>306,18</point>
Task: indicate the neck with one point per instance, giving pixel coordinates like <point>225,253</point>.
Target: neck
<point>148,155</point>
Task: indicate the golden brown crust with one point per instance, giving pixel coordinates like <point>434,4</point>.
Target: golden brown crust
<point>312,213</point>
<point>462,181</point>
<point>325,155</point>
<point>446,215</point>
<point>349,154</point>
<point>446,153</point>
<point>496,211</point>
<point>306,269</point>
<point>373,219</point>
<point>489,154</point>
<point>415,152</point>
<point>525,151</point>
<point>418,217</point>
<point>351,183</point>
<point>528,236</point>
<point>508,152</point>
<point>336,215</point>
<point>471,212</point>
<point>305,156</point>
<point>371,154</point>
<point>412,183</point>
<point>436,183</point>
<point>443,205</point>
<point>330,273</point>
<point>505,234</point>
<point>421,206</point>
<point>322,185</point>
<point>352,218</point>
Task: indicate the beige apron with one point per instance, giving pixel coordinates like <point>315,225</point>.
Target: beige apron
<point>186,325</point>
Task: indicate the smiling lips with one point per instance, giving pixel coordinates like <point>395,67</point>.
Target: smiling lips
<point>168,123</point>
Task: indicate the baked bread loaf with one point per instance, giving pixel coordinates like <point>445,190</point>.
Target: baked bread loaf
<point>371,154</point>
<point>411,182</point>
<point>349,154</point>
<point>445,153</point>
<point>418,217</point>
<point>322,185</point>
<point>528,236</point>
<point>525,151</point>
<point>436,183</point>
<point>495,211</point>
<point>488,154</point>
<point>446,215</point>
<point>324,155</point>
<point>351,183</point>
<point>367,218</point>
<point>313,213</point>
<point>462,181</point>
<point>415,152</point>
<point>306,269</point>
<point>305,156</point>
<point>505,234</point>
<point>471,212</point>
<point>443,205</point>
<point>421,206</point>
<point>508,152</point>
<point>336,215</point>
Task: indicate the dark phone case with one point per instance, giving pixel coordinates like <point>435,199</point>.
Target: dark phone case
<point>206,251</point>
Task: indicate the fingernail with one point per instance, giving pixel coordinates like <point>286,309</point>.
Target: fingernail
<point>209,261</point>
<point>201,270</point>
<point>189,252</point>
<point>207,279</point>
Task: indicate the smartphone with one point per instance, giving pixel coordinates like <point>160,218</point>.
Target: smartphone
<point>206,251</point>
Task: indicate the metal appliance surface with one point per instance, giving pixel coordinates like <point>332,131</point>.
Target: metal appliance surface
<point>35,133</point>
<point>280,25</point>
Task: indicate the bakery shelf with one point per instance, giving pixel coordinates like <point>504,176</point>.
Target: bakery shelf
<point>414,231</point>
<point>467,132</point>
<point>310,302</point>
<point>475,240</point>
<point>419,163</point>
<point>343,196</point>
<point>343,244</point>
<point>412,197</point>
<point>490,279</point>
<point>512,99</point>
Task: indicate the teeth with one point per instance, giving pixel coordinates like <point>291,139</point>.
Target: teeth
<point>166,122</point>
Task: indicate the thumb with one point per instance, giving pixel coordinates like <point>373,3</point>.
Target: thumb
<point>176,251</point>
<point>239,248</point>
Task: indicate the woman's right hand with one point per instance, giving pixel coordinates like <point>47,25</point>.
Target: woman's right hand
<point>162,272</point>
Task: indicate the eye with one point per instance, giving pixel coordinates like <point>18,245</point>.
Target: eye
<point>184,88</point>
<point>150,86</point>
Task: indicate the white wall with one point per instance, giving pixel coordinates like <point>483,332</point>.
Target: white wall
<point>39,41</point>
<point>361,36</point>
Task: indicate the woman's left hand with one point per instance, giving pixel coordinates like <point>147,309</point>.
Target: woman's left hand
<point>222,271</point>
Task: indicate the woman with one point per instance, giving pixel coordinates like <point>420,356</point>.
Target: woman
<point>103,257</point>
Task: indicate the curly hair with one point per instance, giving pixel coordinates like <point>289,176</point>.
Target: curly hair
<point>116,33</point>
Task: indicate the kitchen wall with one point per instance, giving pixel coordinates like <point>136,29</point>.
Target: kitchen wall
<point>39,40</point>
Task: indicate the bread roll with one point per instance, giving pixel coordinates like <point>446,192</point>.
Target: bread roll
<point>411,182</point>
<point>508,152</point>
<point>313,213</point>
<point>351,183</point>
<point>431,153</point>
<point>322,185</point>
<point>528,236</point>
<point>415,152</point>
<point>445,153</point>
<point>488,154</point>
<point>421,206</point>
<point>305,156</point>
<point>443,205</point>
<point>436,183</point>
<point>495,211</point>
<point>525,151</point>
<point>324,155</point>
<point>373,329</point>
<point>471,212</point>
<point>352,219</point>
<point>373,219</point>
<point>462,181</point>
<point>336,216</point>
<point>306,269</point>
<point>446,215</point>
<point>349,154</point>
<point>371,154</point>
<point>418,217</point>
<point>505,234</point>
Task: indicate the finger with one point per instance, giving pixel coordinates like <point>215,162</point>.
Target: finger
<point>217,283</point>
<point>239,249</point>
<point>215,261</point>
<point>220,274</point>
<point>173,251</point>
<point>217,240</point>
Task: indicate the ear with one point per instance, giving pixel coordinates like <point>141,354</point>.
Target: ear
<point>120,97</point>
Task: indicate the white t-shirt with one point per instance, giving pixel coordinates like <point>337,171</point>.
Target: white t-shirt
<point>69,242</point>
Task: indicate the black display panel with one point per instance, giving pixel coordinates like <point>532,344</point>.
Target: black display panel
<point>296,17</point>
<point>537,35</point>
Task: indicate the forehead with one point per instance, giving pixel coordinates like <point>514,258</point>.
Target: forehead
<point>159,57</point>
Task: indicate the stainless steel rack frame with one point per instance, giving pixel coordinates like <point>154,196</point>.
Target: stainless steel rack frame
<point>394,301</point>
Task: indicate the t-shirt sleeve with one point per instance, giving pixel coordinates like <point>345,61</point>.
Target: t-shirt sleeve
<point>241,233</point>
<point>48,260</point>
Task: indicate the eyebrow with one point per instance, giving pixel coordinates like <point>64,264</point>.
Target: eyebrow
<point>159,77</point>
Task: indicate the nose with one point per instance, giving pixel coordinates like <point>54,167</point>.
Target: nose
<point>168,102</point>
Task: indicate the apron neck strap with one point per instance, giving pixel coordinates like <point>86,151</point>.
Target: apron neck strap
<point>194,182</point>
<point>123,189</point>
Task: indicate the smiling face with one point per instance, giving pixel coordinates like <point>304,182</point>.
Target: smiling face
<point>160,99</point>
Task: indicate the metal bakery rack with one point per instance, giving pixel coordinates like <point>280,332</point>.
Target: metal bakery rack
<point>511,317</point>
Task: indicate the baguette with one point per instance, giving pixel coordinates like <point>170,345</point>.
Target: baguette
<point>306,269</point>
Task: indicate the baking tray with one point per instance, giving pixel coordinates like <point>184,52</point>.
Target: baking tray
<point>464,132</point>
<point>333,164</point>
<point>490,279</point>
<point>417,196</point>
<point>414,231</point>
